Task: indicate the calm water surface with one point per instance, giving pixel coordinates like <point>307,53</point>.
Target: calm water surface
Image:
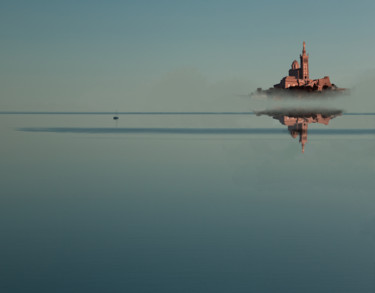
<point>114,210</point>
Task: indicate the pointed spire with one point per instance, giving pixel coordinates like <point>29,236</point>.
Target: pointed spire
<point>304,48</point>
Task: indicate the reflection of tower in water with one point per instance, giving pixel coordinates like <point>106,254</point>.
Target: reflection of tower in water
<point>298,120</point>
<point>298,123</point>
<point>301,130</point>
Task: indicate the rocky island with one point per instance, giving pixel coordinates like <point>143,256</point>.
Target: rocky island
<point>298,81</point>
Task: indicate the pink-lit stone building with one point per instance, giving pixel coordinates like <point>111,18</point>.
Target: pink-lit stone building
<point>299,76</point>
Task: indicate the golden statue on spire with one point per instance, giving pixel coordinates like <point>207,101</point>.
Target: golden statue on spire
<point>304,48</point>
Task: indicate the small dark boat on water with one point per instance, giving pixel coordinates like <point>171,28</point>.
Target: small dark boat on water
<point>115,118</point>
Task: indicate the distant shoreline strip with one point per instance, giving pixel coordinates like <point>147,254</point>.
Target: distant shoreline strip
<point>207,131</point>
<point>151,113</point>
<point>129,113</point>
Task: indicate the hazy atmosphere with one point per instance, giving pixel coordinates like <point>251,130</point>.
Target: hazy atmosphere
<point>173,55</point>
<point>135,159</point>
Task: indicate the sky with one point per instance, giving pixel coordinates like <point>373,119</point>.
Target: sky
<point>173,55</point>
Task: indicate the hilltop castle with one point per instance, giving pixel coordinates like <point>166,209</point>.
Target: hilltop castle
<point>299,76</point>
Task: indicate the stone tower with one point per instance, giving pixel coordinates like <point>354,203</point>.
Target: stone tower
<point>304,63</point>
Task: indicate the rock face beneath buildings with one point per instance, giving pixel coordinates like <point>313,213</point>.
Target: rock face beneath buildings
<point>298,81</point>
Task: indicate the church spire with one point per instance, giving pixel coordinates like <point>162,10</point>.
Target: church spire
<point>304,63</point>
<point>304,48</point>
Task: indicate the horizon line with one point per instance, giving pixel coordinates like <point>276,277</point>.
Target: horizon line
<point>148,113</point>
<point>184,130</point>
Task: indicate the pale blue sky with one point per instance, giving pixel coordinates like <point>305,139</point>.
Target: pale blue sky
<point>138,55</point>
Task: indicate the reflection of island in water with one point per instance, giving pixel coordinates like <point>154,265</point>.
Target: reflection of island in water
<point>298,120</point>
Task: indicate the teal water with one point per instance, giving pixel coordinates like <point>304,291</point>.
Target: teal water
<point>114,210</point>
